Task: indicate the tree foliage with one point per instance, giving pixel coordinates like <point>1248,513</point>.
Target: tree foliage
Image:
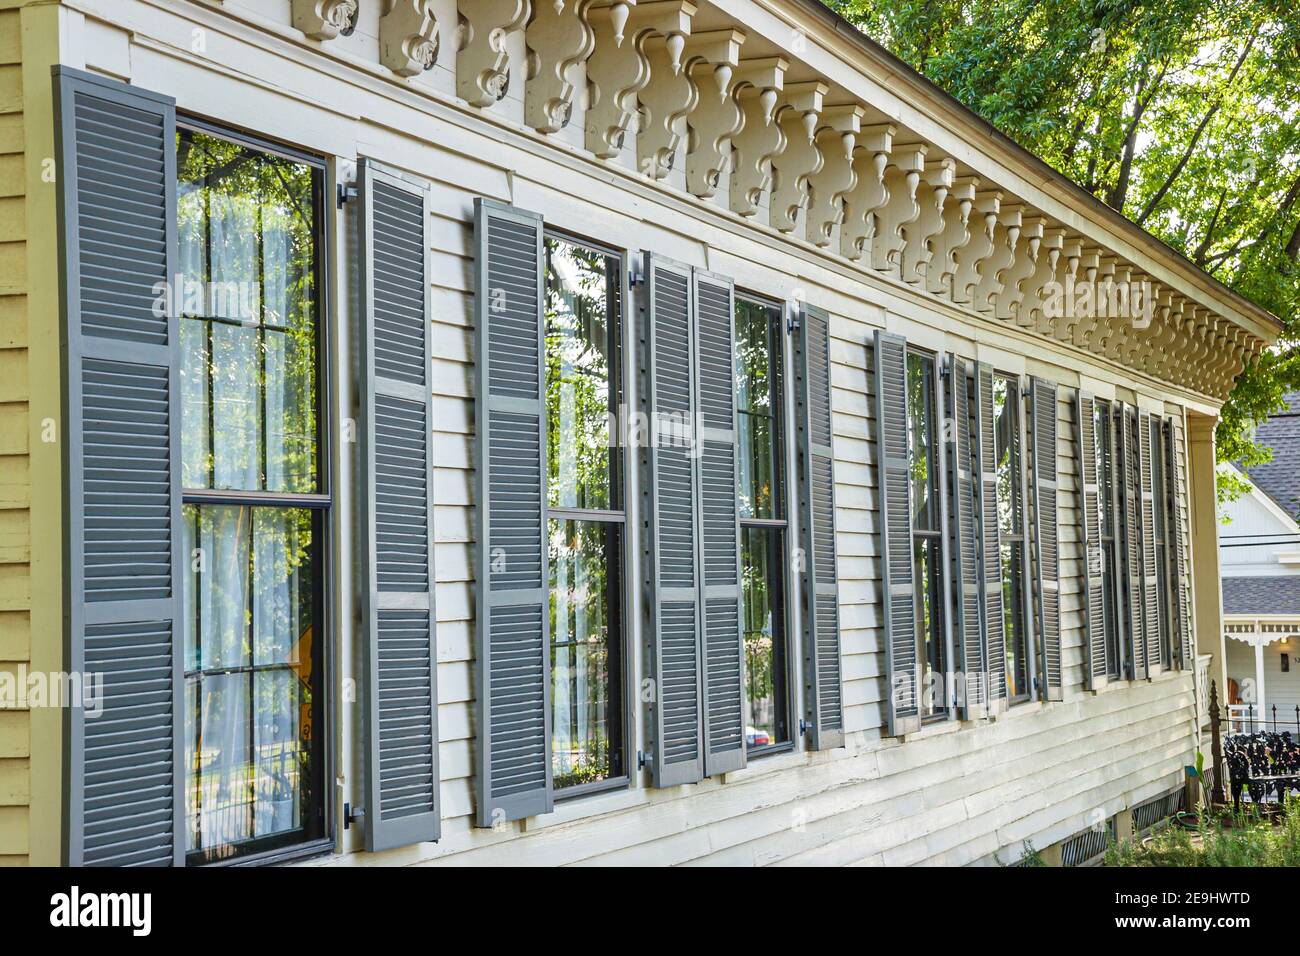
<point>1184,115</point>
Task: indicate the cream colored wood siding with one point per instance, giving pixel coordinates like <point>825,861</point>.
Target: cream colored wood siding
<point>15,496</point>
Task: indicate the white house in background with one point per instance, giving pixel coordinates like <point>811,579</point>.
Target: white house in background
<point>1261,579</point>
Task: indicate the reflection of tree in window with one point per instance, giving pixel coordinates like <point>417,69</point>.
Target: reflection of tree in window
<point>1010,498</point>
<point>761,509</point>
<point>926,535</point>
<point>248,233</point>
<point>583,315</point>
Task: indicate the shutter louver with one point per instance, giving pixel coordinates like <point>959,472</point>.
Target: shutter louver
<point>967,627</point>
<point>1177,545</point>
<point>898,571</point>
<point>723,656</point>
<point>1096,667</point>
<point>395,514</point>
<point>819,592</point>
<point>1046,534</point>
<point>117,193</point>
<point>670,543</point>
<point>986,482</point>
<point>512,626</point>
<point>1150,578</point>
<point>1135,642</point>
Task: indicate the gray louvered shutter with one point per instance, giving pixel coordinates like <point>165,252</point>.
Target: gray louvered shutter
<point>397,617</point>
<point>1150,578</point>
<point>1096,667</point>
<point>512,619</point>
<point>986,481</point>
<point>897,571</point>
<point>117,221</point>
<point>1177,545</point>
<point>670,538</point>
<point>1135,643</point>
<point>967,628</point>
<point>819,593</point>
<point>1047,567</point>
<point>723,655</point>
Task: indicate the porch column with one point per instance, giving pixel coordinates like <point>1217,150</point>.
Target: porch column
<point>1260,697</point>
<point>1207,593</point>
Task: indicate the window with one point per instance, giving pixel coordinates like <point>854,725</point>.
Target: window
<point>1159,476</point>
<point>583,316</point>
<point>1011,526</point>
<point>762,513</point>
<point>1104,453</point>
<point>926,533</point>
<point>250,245</point>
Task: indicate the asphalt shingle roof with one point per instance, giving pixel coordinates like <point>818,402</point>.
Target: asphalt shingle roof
<point>1280,478</point>
<point>1261,595</point>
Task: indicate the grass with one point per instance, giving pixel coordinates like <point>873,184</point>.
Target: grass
<point>1246,838</point>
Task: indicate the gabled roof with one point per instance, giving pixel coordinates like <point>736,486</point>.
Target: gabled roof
<point>1261,595</point>
<point>1280,478</point>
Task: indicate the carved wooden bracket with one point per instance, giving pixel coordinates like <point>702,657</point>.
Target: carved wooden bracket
<point>619,67</point>
<point>1062,321</point>
<point>826,188</point>
<point>869,192</point>
<point>716,116</point>
<point>931,196</point>
<point>408,37</point>
<point>665,101</point>
<point>972,255</point>
<point>758,85</point>
<point>902,176</point>
<point>483,63</point>
<point>558,39</point>
<point>798,117</point>
<point>956,233</point>
<point>1006,236</point>
<point>1084,274</point>
<point>1007,302</point>
<point>1047,270</point>
<point>324,19</point>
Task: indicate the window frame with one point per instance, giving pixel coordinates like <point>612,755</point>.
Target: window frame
<point>321,503</point>
<point>782,504</point>
<point>1020,540</point>
<point>622,369</point>
<point>1161,528</point>
<point>935,538</point>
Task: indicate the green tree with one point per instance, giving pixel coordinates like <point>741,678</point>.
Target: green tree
<point>1184,115</point>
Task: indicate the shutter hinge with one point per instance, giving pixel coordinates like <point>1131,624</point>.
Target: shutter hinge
<point>346,193</point>
<point>805,725</point>
<point>635,275</point>
<point>792,322</point>
<point>643,759</point>
<point>352,815</point>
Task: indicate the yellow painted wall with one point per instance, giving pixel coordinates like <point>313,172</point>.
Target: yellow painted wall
<point>15,484</point>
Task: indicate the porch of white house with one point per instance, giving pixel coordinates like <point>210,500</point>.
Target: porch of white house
<point>1263,664</point>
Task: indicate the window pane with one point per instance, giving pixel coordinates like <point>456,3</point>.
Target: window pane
<point>586,643</point>
<point>758,364</point>
<point>920,440</point>
<point>250,662</point>
<point>1010,494</point>
<point>933,688</point>
<point>581,304</point>
<point>247,233</point>
<point>1013,624</point>
<point>766,720</point>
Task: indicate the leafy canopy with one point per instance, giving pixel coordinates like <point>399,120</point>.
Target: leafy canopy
<point>1184,115</point>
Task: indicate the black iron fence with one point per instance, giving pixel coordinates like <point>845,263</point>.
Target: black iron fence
<point>1255,751</point>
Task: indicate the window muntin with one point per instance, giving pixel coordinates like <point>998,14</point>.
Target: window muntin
<point>583,325</point>
<point>1008,452</point>
<point>1104,454</point>
<point>763,525</point>
<point>923,469</point>
<point>249,228</point>
<point>247,237</point>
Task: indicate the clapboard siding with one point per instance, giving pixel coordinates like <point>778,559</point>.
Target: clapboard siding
<point>15,488</point>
